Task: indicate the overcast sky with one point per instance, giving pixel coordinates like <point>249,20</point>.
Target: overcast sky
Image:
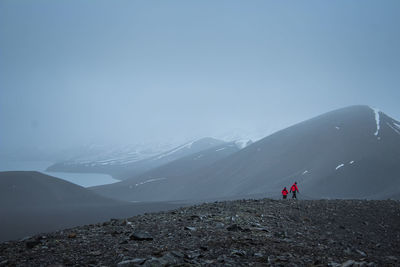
<point>114,72</point>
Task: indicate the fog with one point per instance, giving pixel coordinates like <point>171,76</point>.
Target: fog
<point>76,73</point>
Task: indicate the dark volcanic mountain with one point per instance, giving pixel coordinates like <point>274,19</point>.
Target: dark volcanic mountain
<point>31,202</point>
<point>166,181</point>
<point>127,168</point>
<point>352,152</point>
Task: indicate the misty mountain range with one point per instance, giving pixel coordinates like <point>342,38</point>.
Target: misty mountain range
<point>353,152</point>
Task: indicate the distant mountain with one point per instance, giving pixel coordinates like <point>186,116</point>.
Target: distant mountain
<point>352,152</point>
<point>163,182</point>
<point>128,165</point>
<point>106,159</point>
<point>31,202</point>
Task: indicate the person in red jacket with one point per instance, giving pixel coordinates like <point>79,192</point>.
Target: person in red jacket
<point>294,189</point>
<point>284,193</point>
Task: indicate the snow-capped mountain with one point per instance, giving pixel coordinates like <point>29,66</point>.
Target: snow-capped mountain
<point>170,176</point>
<point>122,163</point>
<point>352,152</point>
<point>106,159</point>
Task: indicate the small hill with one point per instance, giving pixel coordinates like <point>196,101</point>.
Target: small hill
<point>31,202</point>
<point>27,189</point>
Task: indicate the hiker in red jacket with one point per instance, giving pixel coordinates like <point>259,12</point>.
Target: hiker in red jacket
<point>284,193</point>
<point>293,190</point>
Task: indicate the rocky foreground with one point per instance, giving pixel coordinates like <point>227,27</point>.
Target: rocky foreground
<point>235,233</point>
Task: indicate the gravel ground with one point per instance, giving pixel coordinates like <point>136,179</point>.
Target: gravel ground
<point>233,233</point>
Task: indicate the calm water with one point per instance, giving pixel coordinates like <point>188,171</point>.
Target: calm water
<point>82,179</point>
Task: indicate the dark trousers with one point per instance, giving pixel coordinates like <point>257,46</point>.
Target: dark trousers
<point>294,194</point>
<point>284,196</point>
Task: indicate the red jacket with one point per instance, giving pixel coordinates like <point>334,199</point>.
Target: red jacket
<point>294,188</point>
<point>284,192</point>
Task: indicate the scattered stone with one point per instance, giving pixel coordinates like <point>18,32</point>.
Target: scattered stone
<point>72,235</point>
<point>219,225</point>
<point>234,227</point>
<point>362,253</point>
<point>348,263</point>
<point>261,229</point>
<point>95,253</point>
<point>177,254</point>
<point>128,263</point>
<point>190,228</point>
<point>192,254</point>
<point>32,243</point>
<point>141,236</point>
<point>347,251</point>
<point>238,252</point>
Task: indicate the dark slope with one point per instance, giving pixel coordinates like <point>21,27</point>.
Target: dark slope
<point>311,153</point>
<point>31,202</point>
<point>164,182</point>
<point>125,170</point>
<point>33,189</point>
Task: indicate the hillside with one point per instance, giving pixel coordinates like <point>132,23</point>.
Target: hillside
<point>239,233</point>
<point>31,202</point>
<point>352,152</point>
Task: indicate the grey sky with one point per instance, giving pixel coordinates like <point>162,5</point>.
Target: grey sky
<point>80,72</point>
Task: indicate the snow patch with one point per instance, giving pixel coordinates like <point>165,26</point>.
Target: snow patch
<point>377,120</point>
<point>351,162</point>
<point>188,146</point>
<point>339,166</point>
<point>150,181</point>
<point>305,172</point>
<point>242,143</point>
<point>337,127</point>
<point>220,149</point>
